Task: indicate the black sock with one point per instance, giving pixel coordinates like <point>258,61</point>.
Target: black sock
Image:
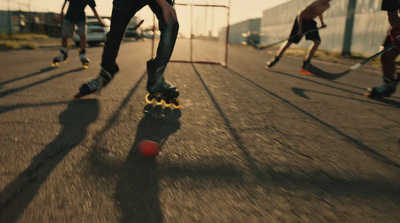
<point>305,63</point>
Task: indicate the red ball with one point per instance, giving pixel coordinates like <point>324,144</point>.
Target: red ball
<point>149,148</point>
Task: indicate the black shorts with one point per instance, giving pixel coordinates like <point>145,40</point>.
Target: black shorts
<point>307,26</point>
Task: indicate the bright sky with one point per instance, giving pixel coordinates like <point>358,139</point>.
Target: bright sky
<point>240,9</point>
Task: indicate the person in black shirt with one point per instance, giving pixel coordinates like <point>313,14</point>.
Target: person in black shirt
<point>388,59</point>
<point>75,17</point>
<point>123,11</point>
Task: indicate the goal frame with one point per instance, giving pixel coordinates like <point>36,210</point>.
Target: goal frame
<point>225,63</point>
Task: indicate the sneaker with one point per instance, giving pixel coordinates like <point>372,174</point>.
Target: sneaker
<point>272,62</point>
<point>306,72</point>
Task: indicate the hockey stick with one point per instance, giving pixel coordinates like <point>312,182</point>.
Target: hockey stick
<point>332,76</point>
<point>281,41</point>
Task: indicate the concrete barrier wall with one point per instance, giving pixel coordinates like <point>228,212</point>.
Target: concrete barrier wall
<point>4,22</point>
<point>370,25</point>
<point>236,30</point>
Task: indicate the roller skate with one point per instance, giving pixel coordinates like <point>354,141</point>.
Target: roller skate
<point>94,85</point>
<point>85,61</point>
<point>385,90</point>
<point>272,62</point>
<point>160,92</point>
<point>62,58</point>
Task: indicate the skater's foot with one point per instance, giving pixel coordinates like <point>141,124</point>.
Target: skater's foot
<point>85,61</point>
<point>95,85</point>
<point>63,57</point>
<point>306,72</point>
<point>272,62</point>
<point>385,90</point>
<point>159,90</point>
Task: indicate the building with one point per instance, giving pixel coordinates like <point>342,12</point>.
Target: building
<point>239,31</point>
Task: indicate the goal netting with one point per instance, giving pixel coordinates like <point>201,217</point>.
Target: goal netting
<point>203,32</point>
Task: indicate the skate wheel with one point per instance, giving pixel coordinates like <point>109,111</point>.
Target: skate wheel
<point>148,99</point>
<point>159,100</point>
<point>85,66</point>
<point>166,104</point>
<point>367,94</point>
<point>176,104</point>
<point>55,64</point>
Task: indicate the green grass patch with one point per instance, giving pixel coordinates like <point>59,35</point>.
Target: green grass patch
<point>23,36</point>
<point>15,45</point>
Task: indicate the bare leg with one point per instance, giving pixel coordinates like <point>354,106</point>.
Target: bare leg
<point>388,65</point>
<point>312,49</point>
<point>64,41</point>
<point>82,41</point>
<point>283,48</point>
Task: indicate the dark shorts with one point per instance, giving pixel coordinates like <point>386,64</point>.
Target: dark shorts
<point>388,41</point>
<point>307,26</point>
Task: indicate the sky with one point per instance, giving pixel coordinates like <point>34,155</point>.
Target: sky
<point>240,9</point>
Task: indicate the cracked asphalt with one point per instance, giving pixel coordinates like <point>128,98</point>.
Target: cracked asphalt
<point>248,144</point>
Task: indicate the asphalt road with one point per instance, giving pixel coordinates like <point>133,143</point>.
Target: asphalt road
<point>248,144</point>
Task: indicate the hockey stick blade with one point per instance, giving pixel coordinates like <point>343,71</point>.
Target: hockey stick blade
<point>332,76</point>
<point>326,75</point>
<point>258,47</point>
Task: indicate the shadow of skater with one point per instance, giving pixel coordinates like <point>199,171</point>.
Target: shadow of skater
<point>137,191</point>
<point>42,71</point>
<point>17,195</point>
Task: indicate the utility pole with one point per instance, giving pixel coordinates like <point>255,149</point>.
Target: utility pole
<point>9,20</point>
<point>348,32</point>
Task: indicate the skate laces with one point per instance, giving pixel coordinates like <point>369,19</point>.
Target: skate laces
<point>83,57</point>
<point>63,54</point>
<point>95,84</point>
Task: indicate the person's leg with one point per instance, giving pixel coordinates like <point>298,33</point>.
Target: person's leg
<point>292,39</point>
<point>311,50</point>
<point>67,31</point>
<point>122,14</point>
<point>169,32</point>
<point>390,80</point>
<point>82,44</point>
<point>158,88</point>
<point>388,61</point>
<point>315,38</point>
<point>283,48</point>
<point>64,41</point>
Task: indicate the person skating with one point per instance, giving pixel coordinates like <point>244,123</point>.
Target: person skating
<point>75,16</point>
<point>303,23</point>
<point>388,59</point>
<point>122,13</point>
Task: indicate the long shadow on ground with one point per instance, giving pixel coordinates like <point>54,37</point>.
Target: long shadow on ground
<point>137,191</point>
<point>44,70</point>
<point>367,150</point>
<point>14,90</point>
<point>17,195</point>
<point>378,101</point>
